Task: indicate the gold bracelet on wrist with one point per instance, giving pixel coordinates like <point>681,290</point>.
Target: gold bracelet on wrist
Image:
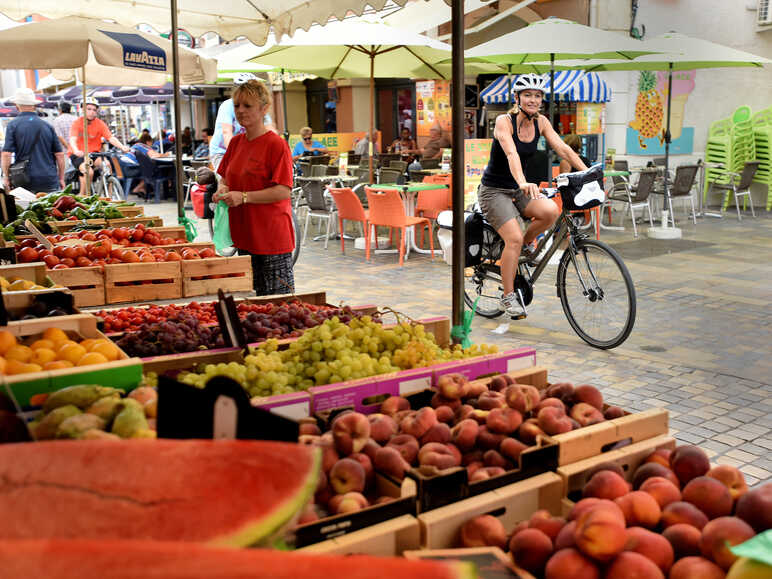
<point>244,197</point>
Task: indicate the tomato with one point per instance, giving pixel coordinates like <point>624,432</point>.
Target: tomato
<point>98,250</point>
<point>80,251</point>
<point>83,262</point>
<point>121,233</point>
<point>177,241</point>
<point>139,226</point>
<point>100,262</point>
<point>173,256</point>
<point>207,252</point>
<point>69,262</point>
<point>42,253</point>
<point>137,234</point>
<point>147,258</point>
<point>59,251</point>
<point>129,256</point>
<point>51,261</point>
<point>167,241</point>
<point>28,255</point>
<point>88,236</point>
<point>71,252</point>
<point>60,266</point>
<point>28,243</point>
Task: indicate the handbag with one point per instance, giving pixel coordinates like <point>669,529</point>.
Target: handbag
<point>18,174</point>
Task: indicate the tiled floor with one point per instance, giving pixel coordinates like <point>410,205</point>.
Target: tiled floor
<point>700,347</point>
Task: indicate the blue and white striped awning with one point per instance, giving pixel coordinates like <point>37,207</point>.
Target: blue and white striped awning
<point>570,85</point>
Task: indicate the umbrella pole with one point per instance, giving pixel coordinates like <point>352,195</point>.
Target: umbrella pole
<point>177,115</point>
<point>284,106</point>
<point>666,185</point>
<point>509,86</point>
<point>192,117</point>
<point>457,167</point>
<point>551,113</point>
<point>370,147</point>
<point>85,139</point>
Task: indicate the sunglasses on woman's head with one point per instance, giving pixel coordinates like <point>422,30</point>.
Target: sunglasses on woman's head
<point>306,138</point>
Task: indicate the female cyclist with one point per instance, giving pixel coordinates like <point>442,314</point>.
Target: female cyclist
<point>505,191</point>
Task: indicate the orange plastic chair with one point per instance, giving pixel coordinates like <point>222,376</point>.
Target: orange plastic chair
<point>350,207</point>
<point>387,210</point>
<point>430,203</point>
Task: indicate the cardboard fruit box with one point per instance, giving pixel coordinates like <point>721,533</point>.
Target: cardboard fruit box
<point>387,539</point>
<point>124,372</point>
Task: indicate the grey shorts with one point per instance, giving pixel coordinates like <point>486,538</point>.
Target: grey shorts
<point>501,205</point>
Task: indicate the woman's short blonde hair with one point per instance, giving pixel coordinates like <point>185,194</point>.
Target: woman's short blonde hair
<point>306,131</point>
<point>252,90</point>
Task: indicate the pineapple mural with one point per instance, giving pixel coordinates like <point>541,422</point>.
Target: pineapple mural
<point>649,110</point>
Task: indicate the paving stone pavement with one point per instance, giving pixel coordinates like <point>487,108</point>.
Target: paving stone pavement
<point>700,347</point>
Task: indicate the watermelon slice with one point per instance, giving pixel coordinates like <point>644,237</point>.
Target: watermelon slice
<point>225,492</point>
<point>77,559</point>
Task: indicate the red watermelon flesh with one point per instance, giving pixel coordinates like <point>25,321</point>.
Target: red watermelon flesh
<point>79,559</point>
<point>221,492</point>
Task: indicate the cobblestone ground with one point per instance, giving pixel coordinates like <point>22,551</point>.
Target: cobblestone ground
<point>700,347</point>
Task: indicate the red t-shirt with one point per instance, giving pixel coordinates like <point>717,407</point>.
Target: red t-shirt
<point>97,130</point>
<point>260,228</point>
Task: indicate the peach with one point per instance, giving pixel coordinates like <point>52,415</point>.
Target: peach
<point>474,389</point>
<point>498,383</point>
<point>309,428</point>
<point>531,549</point>
<point>483,531</point>
<point>309,515</point>
<point>370,448</point>
<point>565,538</point>
<point>489,440</point>
<point>522,397</point>
<point>608,465</point>
<point>661,455</point>
<point>688,462</point>
<point>650,469</point>
<point>632,565</point>
<point>419,424</point>
<point>462,412</point>
<point>493,458</point>
<point>731,477</point>
<point>695,568</point>
<point>438,455</point>
<point>472,456</point>
<point>530,431</point>
<point>479,416</point>
<point>504,420</point>
<point>439,400</point>
<point>444,414</point>
<point>511,448</point>
<point>383,499</point>
<point>570,564</point>
<point>640,509</point>
<point>440,432</point>
<point>406,445</point>
<point>685,539</point>
<point>350,432</point>
<point>389,461</point>
<point>606,485</point>
<point>519,527</point>
<point>309,439</point>
<point>486,472</point>
<point>546,523</point>
<point>553,420</point>
<point>600,532</point>
<point>755,508</point>
<point>473,467</point>
<point>382,427</point>
<point>663,491</point>
<point>464,434</point>
<point>683,512</point>
<point>586,414</point>
<point>348,475</point>
<point>651,545</point>
<point>613,412</point>
<point>720,534</point>
<point>709,495</point>
<point>400,415</point>
<point>556,402</point>
<point>586,504</point>
<point>350,503</point>
<point>367,465</point>
<point>329,454</point>
<point>394,404</point>
<point>562,390</point>
<point>585,393</point>
<point>452,386</point>
<point>490,400</point>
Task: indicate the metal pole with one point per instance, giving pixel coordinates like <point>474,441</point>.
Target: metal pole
<point>284,106</point>
<point>551,113</point>
<point>457,160</point>
<point>192,117</point>
<point>509,86</point>
<point>177,113</point>
<point>85,139</point>
<point>370,144</point>
<point>665,184</point>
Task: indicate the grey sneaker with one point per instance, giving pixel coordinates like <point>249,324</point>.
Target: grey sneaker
<point>527,254</point>
<point>510,303</point>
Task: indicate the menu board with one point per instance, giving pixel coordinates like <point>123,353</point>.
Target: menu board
<point>589,118</point>
<point>424,98</point>
<point>442,112</point>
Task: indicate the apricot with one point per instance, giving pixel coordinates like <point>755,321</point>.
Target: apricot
<point>688,462</point>
<point>661,456</point>
<point>731,477</point>
<point>606,485</point>
<point>683,512</point>
<point>565,538</point>
<point>483,531</point>
<point>709,495</point>
<point>584,505</point>
<point>589,395</point>
<point>685,539</point>
<point>721,533</point>
<point>531,549</point>
<point>640,509</point>
<point>650,469</point>
<point>651,545</point>
<point>546,523</point>
<point>600,532</point>
<point>695,568</point>
<point>570,563</point>
<point>663,490</point>
<point>632,565</point>
<point>755,507</point>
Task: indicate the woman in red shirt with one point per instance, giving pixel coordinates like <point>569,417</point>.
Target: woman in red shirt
<point>257,180</point>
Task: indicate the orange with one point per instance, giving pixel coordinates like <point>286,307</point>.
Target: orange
<point>91,358</point>
<point>19,352</point>
<point>106,348</point>
<point>42,356</point>
<point>88,342</point>
<point>57,365</point>
<point>7,340</point>
<point>54,334</point>
<point>42,343</point>
<point>72,353</point>
<point>3,364</point>
<point>59,344</point>
<point>17,367</point>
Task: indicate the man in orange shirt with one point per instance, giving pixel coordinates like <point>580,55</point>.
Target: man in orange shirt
<point>97,130</point>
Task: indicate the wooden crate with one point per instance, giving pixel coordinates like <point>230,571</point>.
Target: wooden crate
<point>131,211</point>
<point>141,282</point>
<point>173,231</point>
<point>511,504</point>
<point>387,539</point>
<point>67,224</point>
<point>574,476</point>
<point>132,221</point>
<point>35,271</point>
<point>232,274</point>
<point>87,284</point>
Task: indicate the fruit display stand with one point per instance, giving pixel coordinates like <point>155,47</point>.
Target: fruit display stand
<point>156,281</point>
<point>87,284</point>
<point>124,372</point>
<point>205,276</point>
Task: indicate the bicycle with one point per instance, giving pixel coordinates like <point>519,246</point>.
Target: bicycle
<point>595,288</point>
<point>105,184</point>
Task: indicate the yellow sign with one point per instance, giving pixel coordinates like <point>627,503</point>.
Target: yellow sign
<point>424,98</point>
<point>589,118</point>
<point>337,142</point>
<point>476,155</point>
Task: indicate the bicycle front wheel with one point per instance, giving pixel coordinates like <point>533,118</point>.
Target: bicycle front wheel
<point>480,283</point>
<point>597,294</point>
<point>114,189</point>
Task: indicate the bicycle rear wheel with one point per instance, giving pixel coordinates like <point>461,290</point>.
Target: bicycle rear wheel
<point>597,294</point>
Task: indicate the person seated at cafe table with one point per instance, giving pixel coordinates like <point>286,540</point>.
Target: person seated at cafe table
<point>202,151</point>
<point>405,145</point>
<point>362,146</point>
<point>438,141</point>
<point>307,145</point>
<point>145,145</point>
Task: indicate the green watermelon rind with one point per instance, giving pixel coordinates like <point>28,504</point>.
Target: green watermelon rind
<point>253,534</point>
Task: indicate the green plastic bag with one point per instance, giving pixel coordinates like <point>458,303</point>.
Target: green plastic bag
<point>222,229</point>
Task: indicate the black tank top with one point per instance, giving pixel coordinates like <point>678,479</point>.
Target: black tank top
<point>497,173</point>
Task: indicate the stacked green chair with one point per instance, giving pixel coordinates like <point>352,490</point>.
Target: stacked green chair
<point>718,150</point>
<point>743,149</point>
<point>762,137</point>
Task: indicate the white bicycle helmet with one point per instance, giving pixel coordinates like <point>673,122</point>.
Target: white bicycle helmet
<point>530,81</point>
<point>92,101</point>
<point>243,78</point>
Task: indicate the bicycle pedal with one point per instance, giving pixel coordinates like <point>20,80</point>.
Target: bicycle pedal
<point>519,316</point>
